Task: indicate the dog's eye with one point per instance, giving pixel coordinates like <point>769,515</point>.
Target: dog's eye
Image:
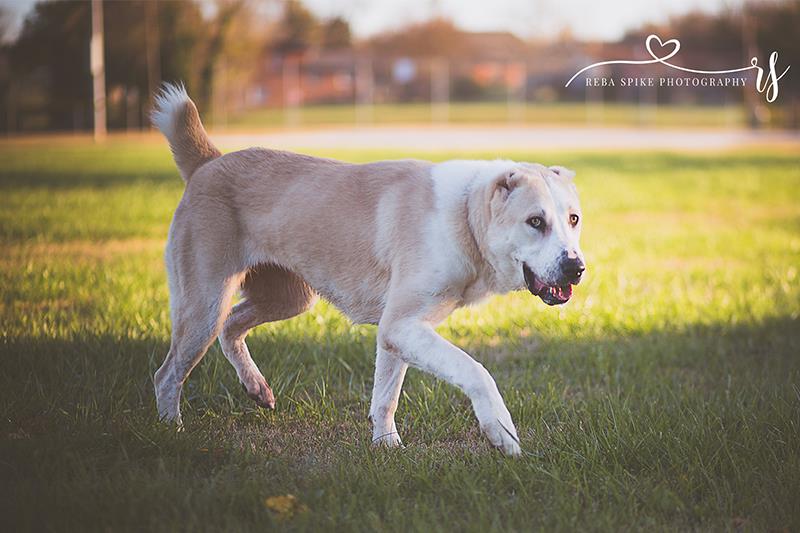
<point>536,222</point>
<point>573,219</point>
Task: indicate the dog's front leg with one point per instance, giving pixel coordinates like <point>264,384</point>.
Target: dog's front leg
<point>416,342</point>
<point>389,373</point>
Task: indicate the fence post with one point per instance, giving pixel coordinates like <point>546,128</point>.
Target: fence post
<point>365,90</point>
<point>516,90</point>
<point>440,90</point>
<point>291,90</point>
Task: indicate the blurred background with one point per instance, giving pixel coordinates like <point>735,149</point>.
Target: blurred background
<point>663,397</point>
<point>259,64</point>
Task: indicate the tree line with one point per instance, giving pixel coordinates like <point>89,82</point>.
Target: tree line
<point>45,80</point>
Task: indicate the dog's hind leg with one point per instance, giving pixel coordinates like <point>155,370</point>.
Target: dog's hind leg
<point>197,318</point>
<point>200,298</point>
<point>271,294</point>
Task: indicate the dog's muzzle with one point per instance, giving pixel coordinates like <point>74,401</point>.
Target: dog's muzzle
<point>560,293</point>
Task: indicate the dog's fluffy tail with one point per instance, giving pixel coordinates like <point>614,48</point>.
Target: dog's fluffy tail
<point>176,116</point>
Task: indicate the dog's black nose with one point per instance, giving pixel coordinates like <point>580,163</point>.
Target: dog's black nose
<point>573,268</point>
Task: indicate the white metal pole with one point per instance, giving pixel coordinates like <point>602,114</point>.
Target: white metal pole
<point>152,48</point>
<point>98,71</point>
<point>440,90</point>
<point>364,90</point>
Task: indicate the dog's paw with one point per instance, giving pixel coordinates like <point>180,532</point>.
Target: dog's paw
<point>168,406</point>
<point>258,390</point>
<point>389,440</point>
<point>503,436</point>
<point>171,420</point>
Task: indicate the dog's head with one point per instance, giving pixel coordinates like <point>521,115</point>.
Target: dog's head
<point>534,229</point>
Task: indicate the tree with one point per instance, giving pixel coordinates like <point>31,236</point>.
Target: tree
<point>213,49</point>
<point>437,37</point>
<point>299,28</point>
<point>6,104</point>
<point>51,56</point>
<point>50,60</point>
<point>336,34</point>
<point>5,25</point>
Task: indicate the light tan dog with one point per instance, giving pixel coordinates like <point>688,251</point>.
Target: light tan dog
<point>400,244</point>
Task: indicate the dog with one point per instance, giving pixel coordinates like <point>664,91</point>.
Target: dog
<point>400,244</point>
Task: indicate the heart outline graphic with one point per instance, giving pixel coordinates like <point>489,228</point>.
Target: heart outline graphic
<point>648,45</point>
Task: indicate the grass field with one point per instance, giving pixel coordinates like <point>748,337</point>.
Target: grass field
<point>665,396</point>
<point>534,113</point>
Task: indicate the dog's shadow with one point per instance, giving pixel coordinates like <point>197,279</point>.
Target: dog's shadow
<point>51,384</point>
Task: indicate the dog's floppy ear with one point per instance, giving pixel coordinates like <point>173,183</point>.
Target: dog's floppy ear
<point>504,184</point>
<point>563,172</point>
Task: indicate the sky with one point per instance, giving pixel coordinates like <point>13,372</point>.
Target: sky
<point>586,19</point>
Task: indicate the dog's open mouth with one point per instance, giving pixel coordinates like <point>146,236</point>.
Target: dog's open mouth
<point>550,294</point>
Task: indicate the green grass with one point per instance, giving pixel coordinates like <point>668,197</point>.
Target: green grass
<point>565,114</point>
<point>665,396</point>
